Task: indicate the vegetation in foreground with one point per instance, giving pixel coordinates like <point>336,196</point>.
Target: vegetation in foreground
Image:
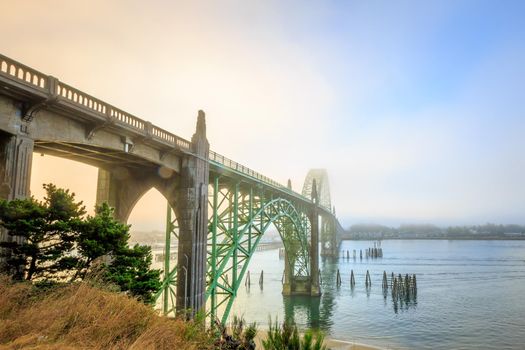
<point>53,242</point>
<point>70,281</point>
<point>84,316</point>
<point>87,315</point>
<point>286,337</point>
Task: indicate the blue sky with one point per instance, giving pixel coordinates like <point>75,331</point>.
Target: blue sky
<point>416,108</point>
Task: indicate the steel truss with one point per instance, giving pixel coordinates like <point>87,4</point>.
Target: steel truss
<point>167,292</point>
<point>240,215</point>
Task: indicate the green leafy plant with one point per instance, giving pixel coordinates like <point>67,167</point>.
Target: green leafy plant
<point>286,337</point>
<point>241,338</point>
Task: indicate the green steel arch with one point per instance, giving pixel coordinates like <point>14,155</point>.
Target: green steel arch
<point>323,187</point>
<point>240,211</point>
<point>330,230</point>
<point>241,214</point>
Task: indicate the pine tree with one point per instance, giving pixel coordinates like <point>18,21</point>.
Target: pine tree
<point>42,234</point>
<point>130,270</point>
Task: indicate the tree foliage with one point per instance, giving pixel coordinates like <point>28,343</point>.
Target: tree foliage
<point>42,234</point>
<point>52,241</point>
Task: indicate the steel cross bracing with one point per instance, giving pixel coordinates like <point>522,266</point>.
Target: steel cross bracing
<point>241,214</point>
<point>329,232</point>
<point>167,292</point>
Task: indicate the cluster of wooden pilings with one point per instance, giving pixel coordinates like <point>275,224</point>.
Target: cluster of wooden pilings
<point>368,280</point>
<point>402,288</point>
<point>372,253</point>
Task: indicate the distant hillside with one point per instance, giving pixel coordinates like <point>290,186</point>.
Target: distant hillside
<point>428,231</point>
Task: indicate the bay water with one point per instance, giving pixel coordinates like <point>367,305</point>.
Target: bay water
<point>470,295</point>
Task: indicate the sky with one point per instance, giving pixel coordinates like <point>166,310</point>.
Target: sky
<point>415,108</point>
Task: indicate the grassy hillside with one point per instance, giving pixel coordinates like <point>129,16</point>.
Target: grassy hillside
<point>81,316</point>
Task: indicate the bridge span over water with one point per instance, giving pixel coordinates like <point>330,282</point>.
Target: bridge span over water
<point>218,209</point>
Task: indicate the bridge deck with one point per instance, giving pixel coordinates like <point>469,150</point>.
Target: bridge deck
<point>40,90</point>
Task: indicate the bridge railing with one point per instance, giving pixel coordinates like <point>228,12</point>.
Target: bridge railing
<point>233,165</point>
<point>227,162</point>
<point>23,73</point>
<point>32,79</point>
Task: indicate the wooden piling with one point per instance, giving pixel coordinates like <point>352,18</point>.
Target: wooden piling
<point>352,279</point>
<point>338,280</point>
<point>247,281</point>
<point>261,279</point>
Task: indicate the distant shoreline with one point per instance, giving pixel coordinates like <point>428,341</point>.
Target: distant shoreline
<point>497,238</point>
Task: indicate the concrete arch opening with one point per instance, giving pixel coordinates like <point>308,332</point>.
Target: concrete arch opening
<point>154,223</point>
<point>78,177</point>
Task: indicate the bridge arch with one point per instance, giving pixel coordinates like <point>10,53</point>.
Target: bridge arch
<point>328,237</point>
<point>323,187</point>
<point>240,215</point>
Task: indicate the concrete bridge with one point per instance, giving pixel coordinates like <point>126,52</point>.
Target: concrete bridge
<point>218,209</point>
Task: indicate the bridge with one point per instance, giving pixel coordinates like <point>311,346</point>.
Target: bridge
<point>218,209</point>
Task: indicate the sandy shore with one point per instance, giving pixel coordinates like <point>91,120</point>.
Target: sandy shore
<point>330,343</point>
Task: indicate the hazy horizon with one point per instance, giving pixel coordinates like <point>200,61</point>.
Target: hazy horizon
<point>414,108</point>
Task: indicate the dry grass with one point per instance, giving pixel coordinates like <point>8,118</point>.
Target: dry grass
<point>81,316</point>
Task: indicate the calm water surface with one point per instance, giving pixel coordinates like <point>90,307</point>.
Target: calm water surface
<point>471,295</point>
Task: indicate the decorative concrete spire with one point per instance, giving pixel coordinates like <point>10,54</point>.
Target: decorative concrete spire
<point>201,123</point>
<point>199,141</point>
<point>289,184</point>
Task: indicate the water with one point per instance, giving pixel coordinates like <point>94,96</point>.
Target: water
<point>471,295</point>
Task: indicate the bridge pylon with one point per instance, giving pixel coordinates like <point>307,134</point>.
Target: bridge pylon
<point>191,207</point>
<point>16,155</point>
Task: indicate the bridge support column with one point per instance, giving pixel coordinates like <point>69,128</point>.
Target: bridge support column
<point>287,283</point>
<point>16,156</point>
<point>315,289</point>
<point>191,206</point>
<point>121,189</point>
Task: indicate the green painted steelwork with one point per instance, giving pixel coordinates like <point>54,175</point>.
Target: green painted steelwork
<point>242,207</point>
<point>240,215</point>
<point>169,283</point>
